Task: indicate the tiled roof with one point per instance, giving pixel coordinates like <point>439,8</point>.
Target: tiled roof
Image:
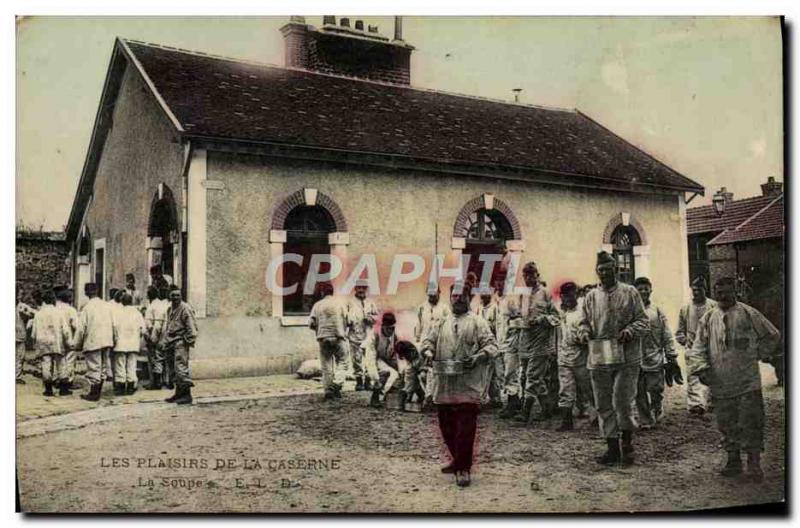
<point>705,219</point>
<point>219,98</point>
<point>766,223</point>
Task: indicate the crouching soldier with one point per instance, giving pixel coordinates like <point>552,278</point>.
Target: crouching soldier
<point>414,375</point>
<point>575,386</point>
<point>731,339</point>
<point>380,359</point>
<point>180,333</point>
<point>464,339</point>
<point>52,338</point>
<point>329,319</point>
<point>659,359</point>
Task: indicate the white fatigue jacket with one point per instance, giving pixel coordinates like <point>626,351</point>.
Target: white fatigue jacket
<point>730,343</point>
<point>488,313</point>
<point>50,331</point>
<point>657,343</point>
<point>571,353</point>
<point>689,318</point>
<point>128,329</point>
<point>361,316</point>
<point>459,337</point>
<point>427,316</point>
<point>155,317</point>
<point>328,318</point>
<point>536,338</point>
<point>71,314</point>
<point>97,328</point>
<point>379,347</point>
<point>24,313</point>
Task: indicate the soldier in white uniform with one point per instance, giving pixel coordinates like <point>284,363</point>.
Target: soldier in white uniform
<point>154,318</point>
<point>380,358</point>
<point>52,338</point>
<point>64,304</point>
<point>613,323</point>
<point>96,339</point>
<point>361,315</point>
<point>731,339</point>
<point>688,319</point>
<point>128,330</point>
<point>575,385</point>
<point>328,319</point>
<point>488,310</point>
<point>659,360</point>
<point>24,314</point>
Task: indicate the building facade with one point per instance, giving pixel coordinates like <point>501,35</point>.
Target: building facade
<point>212,168</point>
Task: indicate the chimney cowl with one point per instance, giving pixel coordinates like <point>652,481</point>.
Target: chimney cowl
<point>771,188</point>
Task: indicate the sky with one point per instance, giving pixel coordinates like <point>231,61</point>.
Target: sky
<point>703,95</point>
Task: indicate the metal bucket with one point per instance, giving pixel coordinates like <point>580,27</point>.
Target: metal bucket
<point>392,400</point>
<point>415,407</point>
<point>448,367</point>
<point>605,352</point>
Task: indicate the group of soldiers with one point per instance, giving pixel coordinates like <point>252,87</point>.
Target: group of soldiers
<point>110,336</point>
<point>605,353</point>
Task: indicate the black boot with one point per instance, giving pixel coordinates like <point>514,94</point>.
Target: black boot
<point>511,408</point>
<point>359,383</point>
<point>119,389</point>
<point>627,448</point>
<point>94,392</point>
<point>367,384</point>
<point>155,382</point>
<point>178,394</point>
<point>733,466</point>
<point>612,454</point>
<point>186,395</point>
<point>403,398</point>
<point>48,389</point>
<point>130,387</point>
<point>63,388</point>
<point>375,401</point>
<point>566,420</point>
<point>524,414</point>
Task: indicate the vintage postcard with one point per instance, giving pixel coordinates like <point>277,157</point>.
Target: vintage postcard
<point>346,264</point>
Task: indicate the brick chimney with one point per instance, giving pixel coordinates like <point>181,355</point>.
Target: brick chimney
<point>345,50</point>
<point>771,188</point>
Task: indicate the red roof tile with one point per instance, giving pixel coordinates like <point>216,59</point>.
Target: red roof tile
<point>766,223</point>
<point>705,219</point>
<point>220,98</point>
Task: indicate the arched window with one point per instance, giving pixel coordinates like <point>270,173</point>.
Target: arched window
<point>163,233</point>
<point>623,239</point>
<point>307,228</point>
<point>487,231</point>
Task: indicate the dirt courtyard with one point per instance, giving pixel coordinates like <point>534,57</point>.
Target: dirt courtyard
<point>298,454</point>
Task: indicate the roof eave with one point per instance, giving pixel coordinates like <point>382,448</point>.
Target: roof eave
<point>394,161</point>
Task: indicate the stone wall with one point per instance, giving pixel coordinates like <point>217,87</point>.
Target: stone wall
<point>42,261</point>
